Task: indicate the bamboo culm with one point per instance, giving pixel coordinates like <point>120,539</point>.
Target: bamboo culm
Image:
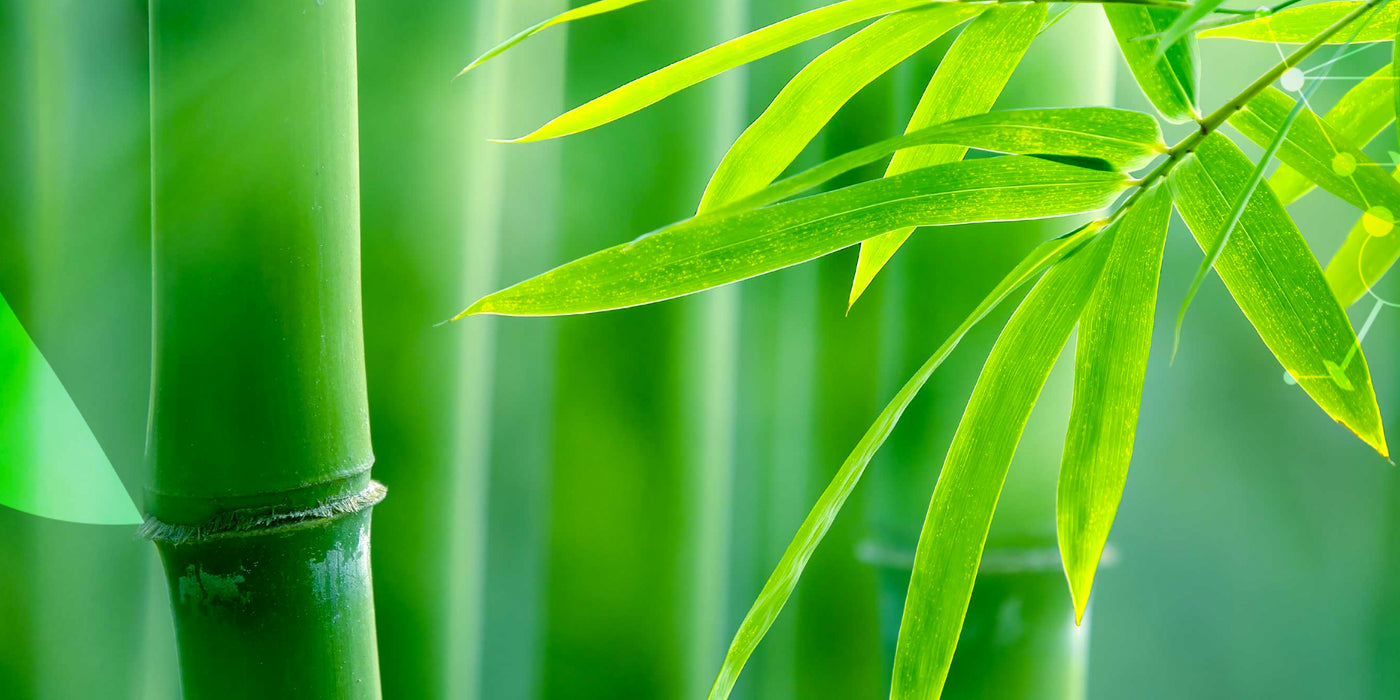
<point>259,498</point>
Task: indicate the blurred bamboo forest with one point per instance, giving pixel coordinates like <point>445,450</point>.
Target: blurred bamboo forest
<point>585,507</point>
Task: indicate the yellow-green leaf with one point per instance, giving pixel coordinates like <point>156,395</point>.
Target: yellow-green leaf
<point>968,81</point>
<point>1168,78</point>
<point>657,86</point>
<point>1370,249</point>
<point>717,249</point>
<point>1110,363</point>
<point>1276,282</point>
<point>590,10</point>
<point>1318,151</point>
<point>1122,139</point>
<point>784,579</point>
<point>1359,116</point>
<point>811,98</point>
<point>1298,25</point>
<point>955,529</point>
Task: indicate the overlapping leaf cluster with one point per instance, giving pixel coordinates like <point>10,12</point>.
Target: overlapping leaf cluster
<point>1101,278</point>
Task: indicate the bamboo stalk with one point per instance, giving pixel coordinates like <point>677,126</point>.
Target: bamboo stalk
<point>260,496</point>
<point>1046,656</point>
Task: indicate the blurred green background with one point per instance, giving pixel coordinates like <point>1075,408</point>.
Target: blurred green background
<point>585,507</point>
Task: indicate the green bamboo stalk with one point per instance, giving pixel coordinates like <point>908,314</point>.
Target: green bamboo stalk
<point>260,496</point>
<point>710,395</point>
<point>1038,652</point>
<point>74,266</point>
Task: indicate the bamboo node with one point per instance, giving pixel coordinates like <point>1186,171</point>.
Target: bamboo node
<point>259,521</point>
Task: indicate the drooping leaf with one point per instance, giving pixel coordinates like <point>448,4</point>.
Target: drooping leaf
<point>1370,249</point>
<point>590,10</point>
<point>1318,151</point>
<point>1123,139</point>
<point>1358,117</point>
<point>812,98</point>
<point>657,86</point>
<point>784,578</point>
<point>50,462</point>
<point>1171,82</point>
<point>1298,25</point>
<point>968,81</point>
<point>1276,282</point>
<point>1056,12</point>
<point>955,529</point>
<point>1110,363</point>
<point>717,249</point>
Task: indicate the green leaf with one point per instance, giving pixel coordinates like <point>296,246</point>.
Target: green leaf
<point>717,249</point>
<point>590,10</point>
<point>1318,151</point>
<point>657,86</point>
<point>968,81</point>
<point>1358,117</point>
<point>1298,25</point>
<point>811,98</point>
<point>784,579</point>
<point>1275,280</point>
<point>1169,83</point>
<point>955,529</point>
<point>1368,252</point>
<point>1125,140</point>
<point>1182,25</point>
<point>1110,363</point>
<point>50,462</point>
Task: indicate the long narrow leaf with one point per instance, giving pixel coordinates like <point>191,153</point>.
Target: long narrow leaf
<point>714,250</point>
<point>1369,251</point>
<point>784,579</point>
<point>1110,363</point>
<point>968,81</point>
<point>1359,117</point>
<point>590,10</point>
<point>1124,140</point>
<point>1298,25</point>
<point>1183,25</point>
<point>1318,151</point>
<point>1170,82</point>
<point>678,76</point>
<point>811,98</point>
<point>1275,280</point>
<point>960,514</point>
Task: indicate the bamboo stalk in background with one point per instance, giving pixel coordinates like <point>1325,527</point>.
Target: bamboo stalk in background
<point>260,496</point>
<point>709,397</point>
<point>429,170</point>
<point>1037,652</point>
<point>83,614</point>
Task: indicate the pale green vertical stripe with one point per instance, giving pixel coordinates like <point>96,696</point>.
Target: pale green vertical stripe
<point>711,347</point>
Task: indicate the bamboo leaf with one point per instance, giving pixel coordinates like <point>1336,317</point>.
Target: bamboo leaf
<point>590,10</point>
<point>955,529</point>
<point>1115,336</point>
<point>1358,117</point>
<point>968,81</point>
<point>717,249</point>
<point>657,86</point>
<point>1318,151</point>
<point>1170,82</point>
<point>1298,25</point>
<point>784,578</point>
<point>1125,140</point>
<point>1275,280</point>
<point>811,98</point>
<point>1365,256</point>
<point>1182,25</point>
